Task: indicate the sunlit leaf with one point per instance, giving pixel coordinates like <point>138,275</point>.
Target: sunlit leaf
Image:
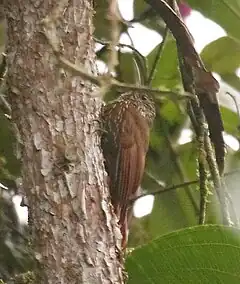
<point>222,55</point>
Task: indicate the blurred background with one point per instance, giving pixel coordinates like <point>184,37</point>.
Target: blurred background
<point>172,154</point>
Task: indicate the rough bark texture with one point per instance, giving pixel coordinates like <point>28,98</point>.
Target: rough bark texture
<point>74,232</point>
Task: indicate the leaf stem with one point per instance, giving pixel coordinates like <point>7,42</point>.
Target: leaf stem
<point>158,57</point>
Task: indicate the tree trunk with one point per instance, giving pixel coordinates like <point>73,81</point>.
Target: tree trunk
<point>74,234</point>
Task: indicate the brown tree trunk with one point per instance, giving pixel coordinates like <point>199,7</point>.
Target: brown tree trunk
<point>73,232</point>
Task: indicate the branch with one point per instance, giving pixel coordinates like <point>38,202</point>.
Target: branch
<point>5,104</point>
<point>235,102</point>
<point>3,67</point>
<point>197,118</point>
<point>219,185</point>
<point>204,84</point>
<point>203,188</point>
<point>3,71</point>
<point>177,186</point>
<point>200,83</point>
<point>107,43</point>
<point>137,55</point>
<point>180,171</point>
<point>185,43</point>
<point>101,81</point>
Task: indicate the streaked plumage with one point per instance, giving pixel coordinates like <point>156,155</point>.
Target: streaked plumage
<point>126,127</point>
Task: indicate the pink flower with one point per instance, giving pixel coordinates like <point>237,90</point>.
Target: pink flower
<point>185,10</point>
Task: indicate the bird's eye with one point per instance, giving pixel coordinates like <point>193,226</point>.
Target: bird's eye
<point>144,97</point>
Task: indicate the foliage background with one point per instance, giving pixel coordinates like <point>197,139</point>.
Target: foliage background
<point>168,162</point>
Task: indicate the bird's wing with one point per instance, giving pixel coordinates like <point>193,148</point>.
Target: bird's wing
<point>125,160</point>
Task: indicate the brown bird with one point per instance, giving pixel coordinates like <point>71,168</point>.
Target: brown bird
<point>126,127</point>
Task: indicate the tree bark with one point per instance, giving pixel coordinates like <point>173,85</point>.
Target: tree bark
<point>74,233</point>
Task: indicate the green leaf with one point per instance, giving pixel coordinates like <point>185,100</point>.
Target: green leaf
<point>167,74</point>
<point>222,55</point>
<point>129,70</point>
<point>226,13</point>
<point>231,121</point>
<point>202,254</point>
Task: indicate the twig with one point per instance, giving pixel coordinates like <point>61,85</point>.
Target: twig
<point>137,55</point>
<point>166,189</point>
<point>131,87</point>
<point>235,102</point>
<point>3,71</point>
<point>180,172</point>
<point>177,186</point>
<point>203,188</point>
<point>99,81</point>
<point>3,67</point>
<point>178,29</point>
<point>143,60</point>
<point>107,43</point>
<point>196,113</point>
<point>205,85</point>
<point>198,125</point>
<point>102,80</point>
<point>218,184</point>
<point>193,73</point>
<point>206,152</point>
<point>159,183</point>
<point>158,56</point>
<point>78,69</point>
<point>192,117</point>
<point>5,103</point>
<point>178,165</point>
<point>197,118</point>
<point>231,205</point>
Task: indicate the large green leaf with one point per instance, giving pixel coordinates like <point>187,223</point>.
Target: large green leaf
<point>224,12</point>
<point>222,55</point>
<point>202,254</point>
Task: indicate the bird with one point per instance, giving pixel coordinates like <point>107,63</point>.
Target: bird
<point>126,123</point>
